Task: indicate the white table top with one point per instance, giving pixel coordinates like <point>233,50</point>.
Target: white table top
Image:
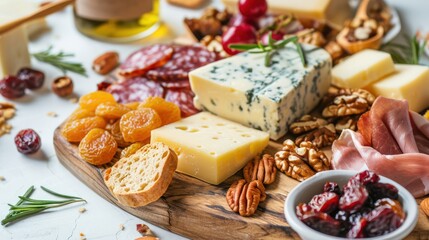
<point>102,220</point>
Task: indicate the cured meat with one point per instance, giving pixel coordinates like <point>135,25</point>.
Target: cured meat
<point>135,90</point>
<point>176,84</point>
<point>392,142</point>
<point>145,59</point>
<point>183,97</point>
<point>184,60</point>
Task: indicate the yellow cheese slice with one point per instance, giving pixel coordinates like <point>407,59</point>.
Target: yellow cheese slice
<point>13,51</point>
<point>334,12</point>
<point>410,82</point>
<point>362,69</point>
<point>211,148</point>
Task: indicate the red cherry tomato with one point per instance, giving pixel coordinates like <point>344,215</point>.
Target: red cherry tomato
<point>253,8</point>
<point>238,34</point>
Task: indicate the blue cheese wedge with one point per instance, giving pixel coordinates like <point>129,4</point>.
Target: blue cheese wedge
<point>242,89</point>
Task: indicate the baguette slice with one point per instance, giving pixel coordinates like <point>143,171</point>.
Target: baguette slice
<point>143,177</point>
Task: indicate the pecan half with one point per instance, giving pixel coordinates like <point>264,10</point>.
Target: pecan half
<point>263,169</point>
<point>307,123</point>
<point>300,162</point>
<point>243,197</point>
<point>321,137</point>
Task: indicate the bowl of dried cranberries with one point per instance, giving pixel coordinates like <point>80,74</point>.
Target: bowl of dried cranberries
<point>343,204</point>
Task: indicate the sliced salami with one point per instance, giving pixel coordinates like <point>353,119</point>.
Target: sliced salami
<point>145,59</point>
<point>184,60</point>
<point>135,90</point>
<point>184,98</point>
<point>176,84</point>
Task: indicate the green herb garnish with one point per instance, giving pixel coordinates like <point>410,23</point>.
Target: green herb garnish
<point>409,53</point>
<point>27,207</point>
<point>58,60</point>
<point>271,48</point>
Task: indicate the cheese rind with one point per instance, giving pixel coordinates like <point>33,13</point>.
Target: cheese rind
<point>13,51</point>
<point>362,69</point>
<point>210,148</point>
<point>409,82</point>
<point>242,89</point>
<point>334,12</point>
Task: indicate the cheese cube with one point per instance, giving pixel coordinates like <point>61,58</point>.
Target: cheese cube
<point>410,82</point>
<point>210,148</point>
<point>334,12</point>
<point>362,69</point>
<point>242,89</point>
<point>13,51</point>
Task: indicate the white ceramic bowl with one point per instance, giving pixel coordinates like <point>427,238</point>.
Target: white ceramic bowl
<point>314,185</point>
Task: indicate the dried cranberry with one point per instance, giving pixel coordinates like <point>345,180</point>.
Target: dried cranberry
<point>322,222</point>
<point>302,210</point>
<point>27,141</point>
<point>367,177</point>
<point>393,204</point>
<point>102,86</point>
<point>354,196</point>
<point>382,220</point>
<point>382,190</point>
<point>358,230</point>
<point>12,87</point>
<point>326,202</point>
<point>33,79</point>
<point>332,187</point>
<point>253,8</point>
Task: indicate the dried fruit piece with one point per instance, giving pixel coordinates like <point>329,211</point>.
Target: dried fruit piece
<point>318,221</point>
<point>357,231</point>
<point>105,63</point>
<point>115,130</point>
<point>382,220</point>
<point>243,197</point>
<point>424,205</point>
<point>98,147</point>
<point>79,114</point>
<point>33,79</point>
<point>261,169</point>
<point>332,187</point>
<point>133,148</point>
<point>27,141</point>
<point>111,110</point>
<point>326,202</point>
<point>90,101</point>
<point>168,111</point>
<point>62,86</point>
<point>354,196</point>
<point>12,87</point>
<point>382,190</point>
<point>136,125</point>
<point>75,131</point>
<point>132,105</point>
<point>367,177</point>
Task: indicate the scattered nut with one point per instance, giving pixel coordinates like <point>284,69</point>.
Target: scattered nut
<point>52,114</point>
<point>307,123</point>
<point>334,49</point>
<point>105,63</point>
<point>424,205</point>
<point>7,111</point>
<point>321,137</point>
<point>62,86</point>
<point>349,122</point>
<point>261,169</point>
<point>82,210</point>
<point>349,102</point>
<point>209,24</point>
<point>145,231</point>
<point>74,100</point>
<point>121,227</point>
<point>2,179</point>
<point>314,38</point>
<point>362,33</point>
<point>243,197</point>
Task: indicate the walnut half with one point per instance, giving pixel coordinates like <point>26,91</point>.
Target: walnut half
<point>321,137</point>
<point>349,102</point>
<point>263,169</point>
<point>307,123</point>
<point>243,197</point>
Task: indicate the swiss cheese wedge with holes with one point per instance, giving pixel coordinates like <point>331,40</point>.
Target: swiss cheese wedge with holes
<point>143,177</point>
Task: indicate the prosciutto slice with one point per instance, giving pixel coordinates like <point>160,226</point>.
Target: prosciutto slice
<point>392,141</point>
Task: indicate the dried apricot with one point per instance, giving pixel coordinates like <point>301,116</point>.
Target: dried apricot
<point>132,105</point>
<point>133,148</point>
<point>75,131</point>
<point>111,110</point>
<point>90,101</point>
<point>115,130</point>
<point>80,113</point>
<point>136,125</point>
<point>98,147</point>
<point>168,111</point>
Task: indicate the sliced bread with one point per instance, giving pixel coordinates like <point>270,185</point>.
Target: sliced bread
<point>143,177</point>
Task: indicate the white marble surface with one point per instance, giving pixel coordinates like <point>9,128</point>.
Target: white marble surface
<point>102,220</point>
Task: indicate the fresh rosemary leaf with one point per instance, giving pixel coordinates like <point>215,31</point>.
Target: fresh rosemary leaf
<point>271,41</point>
<point>301,53</point>
<point>243,47</point>
<point>283,43</point>
<point>58,60</point>
<point>268,58</point>
<point>58,194</point>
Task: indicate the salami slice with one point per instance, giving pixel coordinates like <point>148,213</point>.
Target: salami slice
<point>135,90</point>
<point>184,98</point>
<point>145,59</point>
<point>184,60</point>
<point>176,84</point>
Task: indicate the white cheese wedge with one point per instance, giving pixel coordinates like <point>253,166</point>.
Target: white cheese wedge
<point>242,89</point>
<point>334,12</point>
<point>409,82</point>
<point>210,148</point>
<point>362,69</point>
<point>13,51</point>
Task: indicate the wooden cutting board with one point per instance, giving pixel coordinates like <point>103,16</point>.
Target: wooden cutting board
<point>198,210</point>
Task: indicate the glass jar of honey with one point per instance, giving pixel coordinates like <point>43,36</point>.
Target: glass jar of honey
<point>117,20</point>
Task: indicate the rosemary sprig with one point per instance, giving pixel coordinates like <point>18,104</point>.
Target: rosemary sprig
<point>409,53</point>
<point>27,207</point>
<point>58,60</point>
<point>272,47</point>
